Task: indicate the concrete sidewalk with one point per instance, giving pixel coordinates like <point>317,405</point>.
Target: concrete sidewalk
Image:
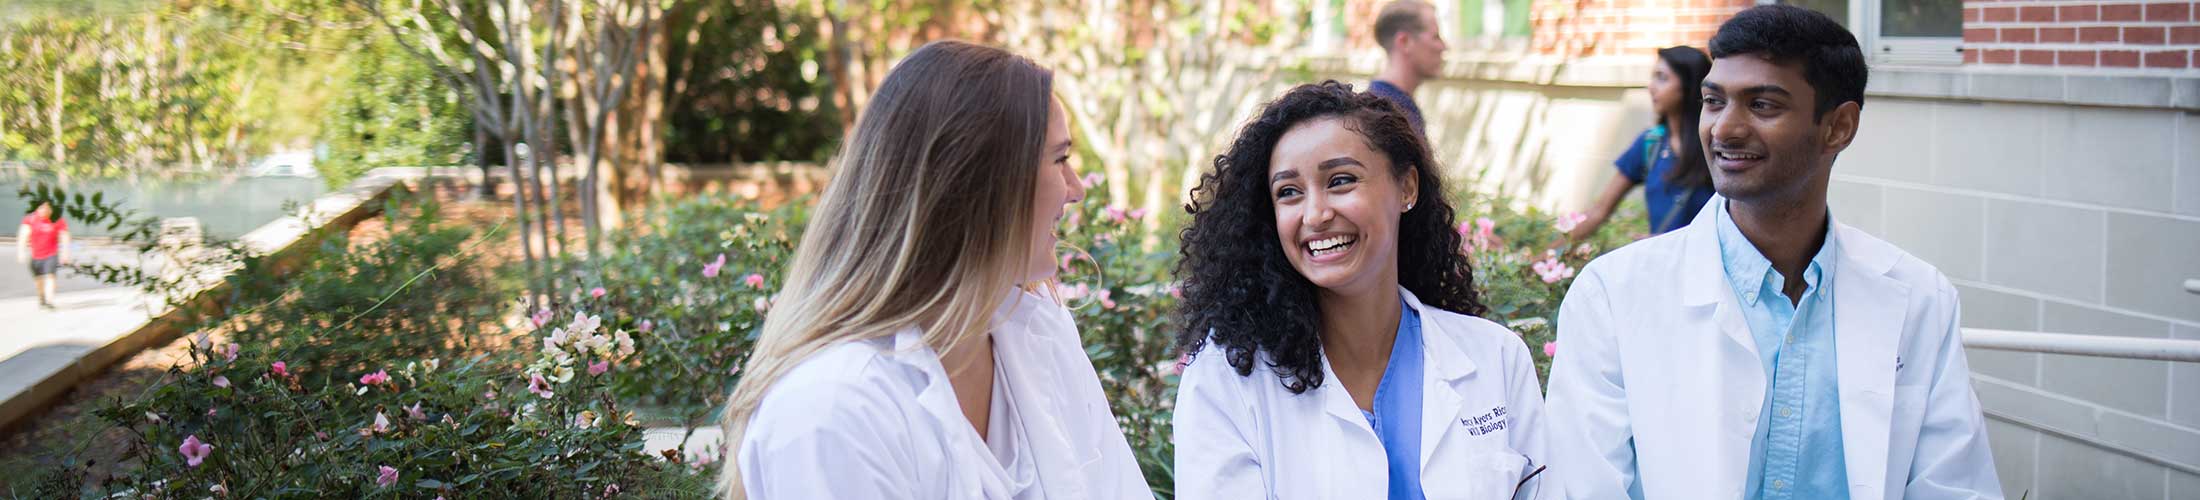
<point>43,354</point>
<point>38,346</point>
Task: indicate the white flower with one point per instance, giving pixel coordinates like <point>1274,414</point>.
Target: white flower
<point>561,374</point>
<point>557,338</point>
<point>597,344</point>
<point>558,356</point>
<point>625,343</point>
<point>585,324</point>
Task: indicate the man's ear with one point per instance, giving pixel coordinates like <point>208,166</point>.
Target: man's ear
<point>1841,126</point>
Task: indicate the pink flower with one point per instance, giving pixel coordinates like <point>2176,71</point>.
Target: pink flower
<point>415,413</point>
<point>1550,349</point>
<point>646,326</point>
<point>212,411</point>
<point>381,423</point>
<point>1105,302</point>
<point>541,317</point>
<point>1075,292</point>
<point>195,451</point>
<point>230,352</point>
<point>491,395</point>
<point>385,476</point>
<point>1553,271</point>
<point>221,381</point>
<point>599,367</point>
<point>379,377</point>
<point>1115,214</point>
<point>735,371</point>
<point>1567,223</point>
<point>1136,214</point>
<point>711,270</point>
<point>610,491</point>
<point>596,293</point>
<point>1485,233</point>
<point>1093,179</point>
<point>754,280</point>
<point>280,369</point>
<point>536,384</point>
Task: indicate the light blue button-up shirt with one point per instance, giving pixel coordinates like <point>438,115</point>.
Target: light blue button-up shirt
<point>1796,451</point>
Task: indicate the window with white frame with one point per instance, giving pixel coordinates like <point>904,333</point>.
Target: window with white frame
<point>1920,32</point>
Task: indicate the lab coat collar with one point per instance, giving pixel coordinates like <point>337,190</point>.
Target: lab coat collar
<point>1446,366</point>
<point>1025,326</point>
<point>1447,361</point>
<point>937,397</point>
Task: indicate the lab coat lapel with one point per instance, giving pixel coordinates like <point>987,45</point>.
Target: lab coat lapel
<point>1025,328</point>
<point>1869,311</point>
<point>974,463</point>
<point>1447,368</point>
<point>1739,387</point>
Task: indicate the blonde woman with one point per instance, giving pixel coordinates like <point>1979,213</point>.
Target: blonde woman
<point>906,357</point>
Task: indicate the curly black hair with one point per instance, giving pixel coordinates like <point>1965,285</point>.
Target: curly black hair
<point>1243,295</point>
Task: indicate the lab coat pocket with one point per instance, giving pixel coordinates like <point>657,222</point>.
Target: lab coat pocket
<point>1487,475</point>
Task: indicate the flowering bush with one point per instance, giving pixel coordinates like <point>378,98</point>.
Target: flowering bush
<point>1115,278</point>
<point>1523,262</point>
<point>693,279</point>
<point>250,424</point>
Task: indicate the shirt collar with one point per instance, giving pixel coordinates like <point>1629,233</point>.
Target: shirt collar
<point>1752,275</point>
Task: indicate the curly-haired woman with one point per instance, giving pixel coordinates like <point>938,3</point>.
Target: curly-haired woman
<point>1333,321</point>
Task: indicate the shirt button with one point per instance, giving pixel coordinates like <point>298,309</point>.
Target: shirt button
<point>1784,411</point>
<point>1779,484</point>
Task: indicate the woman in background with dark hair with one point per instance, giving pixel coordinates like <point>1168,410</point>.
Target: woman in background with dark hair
<point>1331,321</point>
<point>1666,159</point>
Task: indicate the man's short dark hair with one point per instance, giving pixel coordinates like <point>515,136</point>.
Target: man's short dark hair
<point>1832,61</point>
<point>1407,16</point>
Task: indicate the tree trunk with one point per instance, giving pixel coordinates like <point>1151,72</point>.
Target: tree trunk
<point>60,153</point>
<point>481,159</point>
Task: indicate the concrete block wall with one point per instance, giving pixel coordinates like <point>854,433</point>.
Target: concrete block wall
<point>2057,218</point>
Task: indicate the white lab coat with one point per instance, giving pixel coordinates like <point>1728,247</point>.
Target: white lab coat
<point>1481,427</point>
<point>878,419</point>
<point>1657,384</point>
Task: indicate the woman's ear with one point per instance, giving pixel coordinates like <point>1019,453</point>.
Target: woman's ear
<point>1410,183</point>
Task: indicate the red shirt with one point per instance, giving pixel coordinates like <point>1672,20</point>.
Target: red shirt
<point>45,235</point>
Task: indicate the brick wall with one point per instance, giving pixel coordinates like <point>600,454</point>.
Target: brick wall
<point>1619,27</point>
<point>2155,34</point>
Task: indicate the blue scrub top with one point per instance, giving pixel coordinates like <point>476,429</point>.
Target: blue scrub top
<point>1397,415</point>
<point>1648,163</point>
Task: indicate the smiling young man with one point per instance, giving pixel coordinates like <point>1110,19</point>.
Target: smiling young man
<point>1766,350</point>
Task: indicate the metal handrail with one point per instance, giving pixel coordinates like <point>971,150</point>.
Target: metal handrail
<point>2186,351</point>
<point>2193,286</point>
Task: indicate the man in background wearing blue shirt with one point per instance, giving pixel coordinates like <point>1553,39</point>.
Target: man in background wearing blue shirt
<point>1408,33</point>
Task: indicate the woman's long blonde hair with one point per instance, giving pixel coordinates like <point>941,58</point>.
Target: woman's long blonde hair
<point>926,221</point>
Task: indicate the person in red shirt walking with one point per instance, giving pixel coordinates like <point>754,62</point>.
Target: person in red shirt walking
<point>43,241</point>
